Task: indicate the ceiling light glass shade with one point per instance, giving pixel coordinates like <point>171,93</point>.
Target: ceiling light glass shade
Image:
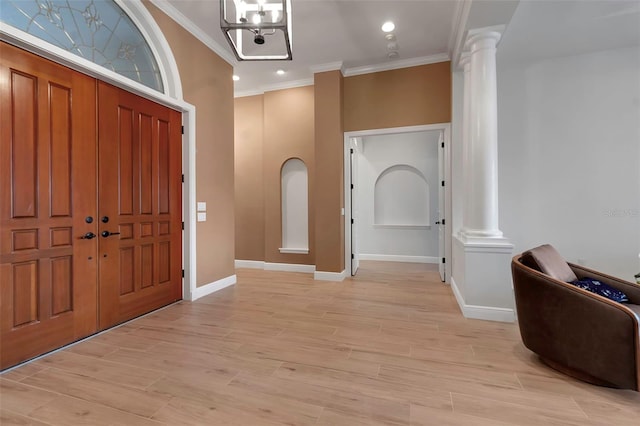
<point>257,30</point>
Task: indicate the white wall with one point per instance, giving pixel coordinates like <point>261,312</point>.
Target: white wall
<point>418,150</point>
<point>569,157</point>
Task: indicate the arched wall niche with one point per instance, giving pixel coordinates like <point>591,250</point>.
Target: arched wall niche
<point>401,197</point>
<point>294,179</point>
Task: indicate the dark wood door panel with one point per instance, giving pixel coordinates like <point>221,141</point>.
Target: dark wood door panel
<point>48,288</point>
<point>139,185</point>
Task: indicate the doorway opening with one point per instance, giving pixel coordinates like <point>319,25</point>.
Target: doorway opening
<point>397,196</point>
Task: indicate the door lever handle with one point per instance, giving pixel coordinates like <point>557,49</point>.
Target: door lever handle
<point>106,234</point>
<point>88,236</point>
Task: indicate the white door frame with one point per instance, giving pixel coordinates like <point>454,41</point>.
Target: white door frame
<point>446,129</point>
<point>172,100</point>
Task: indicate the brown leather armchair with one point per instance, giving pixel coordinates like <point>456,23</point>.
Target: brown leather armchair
<point>582,334</point>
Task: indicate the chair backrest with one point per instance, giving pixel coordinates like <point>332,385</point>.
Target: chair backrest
<point>547,260</point>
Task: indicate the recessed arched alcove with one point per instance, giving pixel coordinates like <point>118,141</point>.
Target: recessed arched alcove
<point>401,197</point>
<point>295,207</point>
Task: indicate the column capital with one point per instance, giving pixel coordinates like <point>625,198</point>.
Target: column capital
<point>489,35</point>
<point>465,60</point>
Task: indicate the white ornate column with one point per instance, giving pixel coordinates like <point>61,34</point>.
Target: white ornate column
<point>482,176</point>
<point>481,278</point>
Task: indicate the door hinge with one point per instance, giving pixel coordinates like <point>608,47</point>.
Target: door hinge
<point>444,260</point>
<point>443,221</point>
<point>183,226</point>
<point>351,186</point>
<point>352,256</point>
<point>182,130</point>
<point>351,150</point>
<point>183,273</point>
<point>352,221</point>
<point>442,183</point>
<point>182,178</point>
<point>442,145</point>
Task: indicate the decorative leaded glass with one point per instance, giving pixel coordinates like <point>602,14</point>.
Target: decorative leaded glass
<point>97,30</point>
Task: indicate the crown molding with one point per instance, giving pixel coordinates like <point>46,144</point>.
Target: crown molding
<point>404,63</point>
<point>288,85</point>
<point>247,93</point>
<point>192,28</point>
<point>457,37</point>
<point>272,87</point>
<point>331,66</point>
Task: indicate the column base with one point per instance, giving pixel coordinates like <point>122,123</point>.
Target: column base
<point>481,277</point>
<point>481,235</point>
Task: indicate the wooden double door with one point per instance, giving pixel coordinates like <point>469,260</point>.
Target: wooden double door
<point>90,206</point>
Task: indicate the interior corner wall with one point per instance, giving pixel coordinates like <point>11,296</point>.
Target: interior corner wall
<point>403,97</point>
<point>569,155</point>
<point>249,175</point>
<point>207,84</point>
<point>288,121</point>
<point>329,188</point>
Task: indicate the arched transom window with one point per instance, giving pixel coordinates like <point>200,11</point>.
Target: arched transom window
<point>97,30</point>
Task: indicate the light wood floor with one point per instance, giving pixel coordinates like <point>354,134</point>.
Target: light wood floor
<point>388,347</point>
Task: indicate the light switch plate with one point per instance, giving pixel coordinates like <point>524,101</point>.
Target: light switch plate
<point>202,216</point>
<point>202,206</point>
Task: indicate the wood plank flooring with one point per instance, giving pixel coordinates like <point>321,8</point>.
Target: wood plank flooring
<point>388,347</point>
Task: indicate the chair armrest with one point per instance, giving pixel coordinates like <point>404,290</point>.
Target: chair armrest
<point>578,329</point>
<point>632,290</point>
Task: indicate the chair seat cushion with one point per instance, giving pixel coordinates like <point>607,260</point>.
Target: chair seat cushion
<point>602,289</point>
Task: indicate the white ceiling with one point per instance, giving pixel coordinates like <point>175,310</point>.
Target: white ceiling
<point>329,32</point>
<point>541,29</point>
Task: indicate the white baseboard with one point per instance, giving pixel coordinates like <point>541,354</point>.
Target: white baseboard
<point>249,264</point>
<point>207,289</point>
<point>330,276</point>
<point>292,267</point>
<point>397,258</point>
<point>488,313</point>
<point>289,267</point>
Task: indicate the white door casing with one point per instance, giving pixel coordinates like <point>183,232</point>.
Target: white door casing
<point>445,129</point>
<point>356,143</point>
<point>441,222</point>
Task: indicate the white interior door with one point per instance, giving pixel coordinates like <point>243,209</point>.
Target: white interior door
<point>441,208</point>
<point>355,257</point>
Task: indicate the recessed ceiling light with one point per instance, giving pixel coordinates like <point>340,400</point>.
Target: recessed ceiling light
<point>280,72</point>
<point>235,78</point>
<point>388,26</point>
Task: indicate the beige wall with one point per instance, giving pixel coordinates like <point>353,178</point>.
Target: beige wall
<point>269,130</point>
<point>207,84</point>
<point>249,179</point>
<point>309,123</point>
<point>404,97</point>
<point>288,133</point>
<point>329,189</point>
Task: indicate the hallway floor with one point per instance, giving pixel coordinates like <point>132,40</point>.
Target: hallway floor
<point>388,347</point>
